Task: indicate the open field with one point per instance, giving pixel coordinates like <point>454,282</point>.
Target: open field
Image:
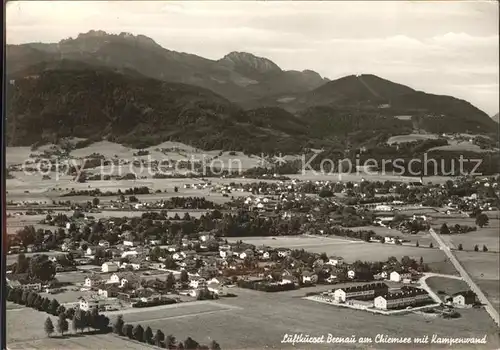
<point>25,331</point>
<point>488,235</point>
<point>411,138</point>
<point>262,319</point>
<point>461,146</point>
<point>355,250</point>
<point>449,286</point>
<point>423,237</point>
<point>483,269</point>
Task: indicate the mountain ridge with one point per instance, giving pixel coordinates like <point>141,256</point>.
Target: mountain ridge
<point>234,76</point>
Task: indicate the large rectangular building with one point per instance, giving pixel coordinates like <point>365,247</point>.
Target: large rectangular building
<point>362,292</point>
<point>401,299</point>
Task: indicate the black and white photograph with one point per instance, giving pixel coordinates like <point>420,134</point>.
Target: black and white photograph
<point>207,175</point>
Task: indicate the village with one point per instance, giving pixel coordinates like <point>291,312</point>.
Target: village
<point>156,258</point>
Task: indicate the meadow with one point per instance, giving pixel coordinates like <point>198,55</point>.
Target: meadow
<point>260,320</point>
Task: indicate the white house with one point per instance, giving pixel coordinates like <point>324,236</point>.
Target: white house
<point>109,267</point>
<point>92,281</point>
<point>179,256</point>
<point>224,253</point>
<point>113,279</point>
<point>464,298</point>
<point>129,243</point>
<point>335,260</point>
<point>198,283</point>
<point>104,244</point>
<point>383,208</point>
<point>351,274</point>
<point>87,305</point>
<point>283,253</point>
<point>91,250</point>
<point>399,276</point>
<point>131,253</point>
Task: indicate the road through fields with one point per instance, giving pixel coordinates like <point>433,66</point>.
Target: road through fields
<point>474,287</point>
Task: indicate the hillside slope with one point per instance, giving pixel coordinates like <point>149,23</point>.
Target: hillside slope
<point>369,93</point>
<point>50,101</point>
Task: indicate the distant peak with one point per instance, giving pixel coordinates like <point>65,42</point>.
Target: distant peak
<point>93,33</point>
<point>248,60</point>
<point>123,35</point>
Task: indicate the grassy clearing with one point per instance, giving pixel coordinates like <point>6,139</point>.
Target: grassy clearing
<point>488,235</point>
<point>423,238</point>
<point>411,138</point>
<point>464,146</point>
<point>349,250</point>
<point>483,268</point>
<point>447,285</point>
<point>262,319</point>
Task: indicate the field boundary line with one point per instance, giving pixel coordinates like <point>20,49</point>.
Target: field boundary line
<point>181,316</point>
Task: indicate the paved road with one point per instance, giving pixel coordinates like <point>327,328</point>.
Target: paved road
<point>473,286</point>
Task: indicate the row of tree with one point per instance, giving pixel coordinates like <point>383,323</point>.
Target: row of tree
<point>159,339</point>
<point>476,248</point>
<point>80,319</point>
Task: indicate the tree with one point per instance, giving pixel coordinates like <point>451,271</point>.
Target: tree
<point>138,333</point>
<point>190,344</point>
<point>23,264</point>
<point>118,325</point>
<point>128,331</point>
<point>184,276</point>
<point>460,247</point>
<point>406,261</point>
<point>170,342</point>
<point>417,244</point>
<point>80,316</point>
<point>482,220</point>
<point>95,201</point>
<point>485,249</point>
<point>46,305</point>
<point>62,324</point>
<point>431,245</point>
<point>37,304</point>
<point>61,309</point>
<point>24,296</point>
<point>176,189</point>
<point>49,327</point>
<point>214,345</point>
<point>170,282</point>
<point>148,335</point>
<point>444,230</point>
<point>75,323</point>
<point>325,192</point>
<point>42,268</point>
<point>53,306</point>
<point>476,248</point>
<point>158,338</point>
<point>421,261</point>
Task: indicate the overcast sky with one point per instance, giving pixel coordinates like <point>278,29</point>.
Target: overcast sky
<point>439,47</point>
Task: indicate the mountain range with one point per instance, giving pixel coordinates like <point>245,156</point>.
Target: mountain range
<point>130,89</point>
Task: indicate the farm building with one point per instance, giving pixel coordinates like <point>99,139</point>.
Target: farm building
<point>464,298</point>
<point>21,281</point>
<point>399,276</point>
<point>109,267</point>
